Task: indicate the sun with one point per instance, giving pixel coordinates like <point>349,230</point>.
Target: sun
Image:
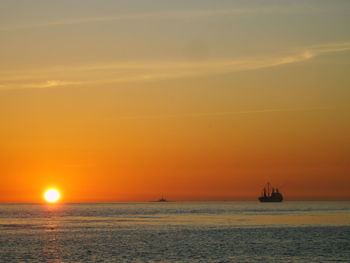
<point>52,195</point>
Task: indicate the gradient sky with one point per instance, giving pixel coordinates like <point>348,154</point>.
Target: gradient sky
<point>191,99</point>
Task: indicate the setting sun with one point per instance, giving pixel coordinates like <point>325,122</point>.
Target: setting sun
<point>52,195</point>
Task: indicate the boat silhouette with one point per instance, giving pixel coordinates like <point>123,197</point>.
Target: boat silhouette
<point>162,200</point>
<point>270,194</point>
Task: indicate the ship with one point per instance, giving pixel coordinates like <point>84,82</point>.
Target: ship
<point>161,200</point>
<point>270,194</point>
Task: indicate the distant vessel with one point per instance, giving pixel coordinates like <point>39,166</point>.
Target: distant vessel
<point>270,194</point>
<point>162,200</point>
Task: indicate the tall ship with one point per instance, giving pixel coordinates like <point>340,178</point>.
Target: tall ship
<point>270,194</point>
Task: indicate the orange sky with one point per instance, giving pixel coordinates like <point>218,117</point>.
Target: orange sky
<point>194,102</point>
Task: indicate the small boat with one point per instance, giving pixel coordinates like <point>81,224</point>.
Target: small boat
<point>162,200</point>
<point>270,194</point>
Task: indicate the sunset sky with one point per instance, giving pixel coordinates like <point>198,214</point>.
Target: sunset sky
<point>110,100</point>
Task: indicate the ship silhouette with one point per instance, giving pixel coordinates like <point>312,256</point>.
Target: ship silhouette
<point>270,194</point>
<point>162,200</point>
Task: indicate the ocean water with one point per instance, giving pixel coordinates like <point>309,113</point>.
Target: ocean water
<point>176,232</point>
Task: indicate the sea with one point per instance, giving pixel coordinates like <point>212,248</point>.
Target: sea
<point>176,232</point>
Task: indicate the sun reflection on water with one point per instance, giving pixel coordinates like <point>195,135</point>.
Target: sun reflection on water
<point>51,250</point>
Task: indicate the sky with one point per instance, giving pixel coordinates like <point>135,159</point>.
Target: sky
<point>193,100</point>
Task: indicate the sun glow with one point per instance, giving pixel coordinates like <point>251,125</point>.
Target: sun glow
<point>52,195</point>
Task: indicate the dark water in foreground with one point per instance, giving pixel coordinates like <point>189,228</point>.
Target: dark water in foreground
<point>176,232</point>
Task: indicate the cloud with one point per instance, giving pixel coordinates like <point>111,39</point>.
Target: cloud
<point>180,14</point>
<point>134,16</point>
<point>231,113</point>
<point>329,48</point>
<point>39,85</point>
<point>156,70</point>
<point>52,84</point>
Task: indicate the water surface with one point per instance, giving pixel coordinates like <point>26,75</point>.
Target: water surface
<point>176,232</point>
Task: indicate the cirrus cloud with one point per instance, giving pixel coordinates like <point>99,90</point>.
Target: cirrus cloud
<point>156,70</point>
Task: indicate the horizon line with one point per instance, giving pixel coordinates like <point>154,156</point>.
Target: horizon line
<point>347,199</point>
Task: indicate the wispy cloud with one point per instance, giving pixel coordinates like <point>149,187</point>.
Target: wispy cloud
<point>227,113</point>
<point>180,14</point>
<point>133,16</point>
<point>142,71</point>
<point>329,48</point>
<point>51,84</point>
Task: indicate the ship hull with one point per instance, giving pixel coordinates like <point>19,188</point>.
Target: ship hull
<point>270,200</point>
